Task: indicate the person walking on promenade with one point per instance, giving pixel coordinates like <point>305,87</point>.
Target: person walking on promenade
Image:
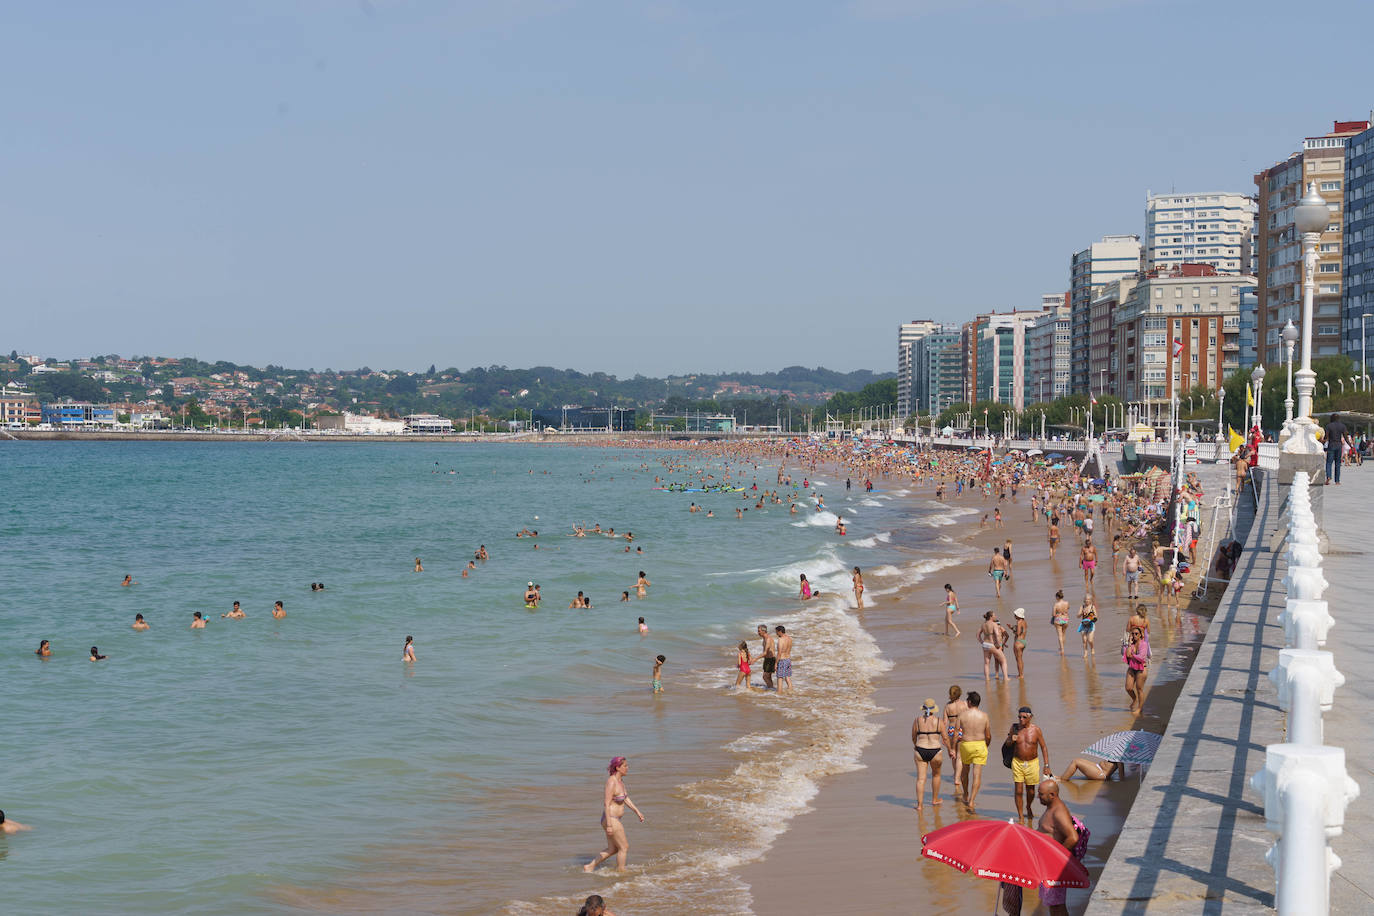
<point>927,742</point>
<point>615,800</point>
<point>975,734</point>
<point>1065,829</point>
<point>1334,435</point>
<point>952,711</point>
<point>1059,616</point>
<point>1028,744</point>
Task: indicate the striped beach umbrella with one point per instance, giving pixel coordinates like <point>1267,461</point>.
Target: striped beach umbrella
<point>1126,747</point>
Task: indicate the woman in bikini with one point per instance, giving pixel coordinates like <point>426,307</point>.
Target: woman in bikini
<point>927,741</point>
<point>1136,655</point>
<point>408,653</point>
<point>1054,535</point>
<point>1087,622</point>
<point>858,580</point>
<point>614,802</point>
<point>951,608</point>
<point>953,709</point>
<point>1059,616</point>
<point>742,664</point>
<point>990,638</point>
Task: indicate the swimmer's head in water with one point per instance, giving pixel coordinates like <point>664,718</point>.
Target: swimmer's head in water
<point>138,617</point>
<point>662,658</point>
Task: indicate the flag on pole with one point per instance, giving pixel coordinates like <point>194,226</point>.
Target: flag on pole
<point>1233,438</point>
<point>1249,396</point>
<point>1093,397</point>
<point>1178,346</point>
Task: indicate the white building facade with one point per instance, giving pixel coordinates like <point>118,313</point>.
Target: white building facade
<point>1213,227</point>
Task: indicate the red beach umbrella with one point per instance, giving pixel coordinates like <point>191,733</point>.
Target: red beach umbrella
<point>1005,851</point>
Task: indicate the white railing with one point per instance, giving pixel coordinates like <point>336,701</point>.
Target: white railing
<point>1304,782</point>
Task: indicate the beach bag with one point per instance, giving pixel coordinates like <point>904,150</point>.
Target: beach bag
<point>1009,748</point>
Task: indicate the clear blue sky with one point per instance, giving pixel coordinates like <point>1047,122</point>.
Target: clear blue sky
<point>621,186</point>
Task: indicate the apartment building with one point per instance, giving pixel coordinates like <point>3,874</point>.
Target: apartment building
<point>1177,330</point>
<point>909,395</point>
<point>1047,350</point>
<point>1213,227</point>
<point>1113,258</point>
<point>938,371</point>
<point>1357,253</point>
<point>1102,354</point>
<point>1279,244</point>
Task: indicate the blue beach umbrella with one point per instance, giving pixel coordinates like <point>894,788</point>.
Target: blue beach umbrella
<point>1126,747</point>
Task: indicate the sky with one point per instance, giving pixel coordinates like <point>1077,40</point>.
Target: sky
<point>631,187</point>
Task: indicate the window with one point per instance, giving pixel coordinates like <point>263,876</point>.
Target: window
<point>1194,359</point>
<point>1214,292</point>
<point>1197,292</point>
<point>1159,293</point>
<point>1330,185</point>
<point>1178,292</point>
<point>1329,268</point>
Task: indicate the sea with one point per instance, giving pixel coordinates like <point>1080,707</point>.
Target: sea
<point>300,766</point>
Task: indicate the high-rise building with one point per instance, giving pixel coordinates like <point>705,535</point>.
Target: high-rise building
<point>1102,355</point>
<point>1114,257</point>
<point>1213,227</point>
<point>1249,315</point>
<point>1047,350</point>
<point>1357,274</point>
<point>1178,330</point>
<point>938,364</point>
<point>1279,244</point>
<point>907,335</point>
<point>1001,350</point>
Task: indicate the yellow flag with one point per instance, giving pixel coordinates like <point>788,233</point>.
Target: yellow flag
<point>1249,396</point>
<point>1234,439</point>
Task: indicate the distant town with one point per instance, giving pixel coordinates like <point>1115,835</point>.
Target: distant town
<point>112,392</point>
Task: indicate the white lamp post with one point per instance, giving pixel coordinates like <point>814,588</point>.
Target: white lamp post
<point>1257,376</point>
<point>1290,337</point>
<point>1310,217</point>
<point>1221,421</point>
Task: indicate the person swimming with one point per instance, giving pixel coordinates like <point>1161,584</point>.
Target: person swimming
<point>96,656</point>
<point>139,622</point>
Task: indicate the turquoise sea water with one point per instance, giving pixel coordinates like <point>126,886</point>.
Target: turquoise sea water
<point>262,766</point>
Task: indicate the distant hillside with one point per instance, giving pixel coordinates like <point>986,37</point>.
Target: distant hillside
<point>224,389</point>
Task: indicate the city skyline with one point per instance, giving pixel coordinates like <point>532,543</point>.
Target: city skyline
<point>655,188</point>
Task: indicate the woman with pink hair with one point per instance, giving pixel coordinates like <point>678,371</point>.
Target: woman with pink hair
<point>613,804</point>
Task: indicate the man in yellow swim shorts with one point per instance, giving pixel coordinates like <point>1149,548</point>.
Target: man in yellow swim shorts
<point>1028,743</point>
<point>974,736</point>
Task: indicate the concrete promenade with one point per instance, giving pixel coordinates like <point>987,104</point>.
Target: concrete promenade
<point>1195,839</point>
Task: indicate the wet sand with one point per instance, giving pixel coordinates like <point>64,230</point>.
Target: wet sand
<point>858,849</point>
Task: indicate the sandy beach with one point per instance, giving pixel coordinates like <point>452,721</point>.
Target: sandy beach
<point>858,849</point>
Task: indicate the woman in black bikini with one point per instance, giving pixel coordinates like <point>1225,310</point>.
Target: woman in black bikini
<point>927,741</point>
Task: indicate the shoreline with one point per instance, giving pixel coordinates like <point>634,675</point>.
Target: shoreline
<point>862,824</point>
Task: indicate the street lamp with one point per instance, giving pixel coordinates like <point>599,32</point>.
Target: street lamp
<point>1328,390</point>
<point>1341,382</point>
<point>1310,217</point>
<point>1257,376</point>
<point>1290,337</point>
